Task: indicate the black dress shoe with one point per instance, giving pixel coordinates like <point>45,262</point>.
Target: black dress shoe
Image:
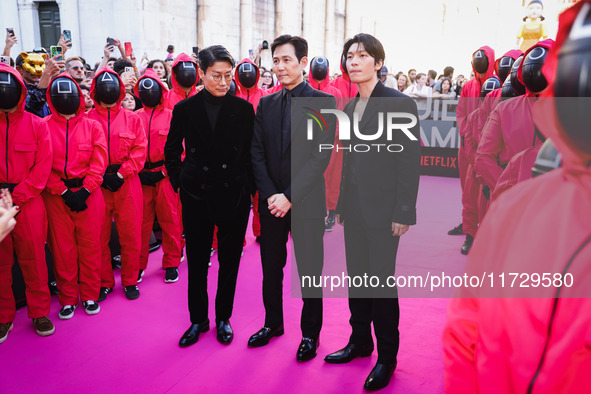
<point>191,336</point>
<point>380,376</point>
<point>456,230</point>
<point>308,349</point>
<point>225,333</point>
<point>467,244</point>
<point>348,353</point>
<point>264,335</point>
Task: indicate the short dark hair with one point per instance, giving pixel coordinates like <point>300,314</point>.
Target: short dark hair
<point>447,71</point>
<point>300,45</point>
<point>215,53</point>
<point>170,48</point>
<point>372,45</point>
<point>119,66</point>
<point>412,69</point>
<point>432,74</point>
<point>84,87</point>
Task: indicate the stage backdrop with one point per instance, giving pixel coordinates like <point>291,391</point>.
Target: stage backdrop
<point>439,137</point>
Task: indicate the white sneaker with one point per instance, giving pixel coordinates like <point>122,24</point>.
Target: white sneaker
<point>67,312</point>
<point>91,307</point>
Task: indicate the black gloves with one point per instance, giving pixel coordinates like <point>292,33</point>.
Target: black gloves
<point>76,201</point>
<point>486,191</point>
<point>151,178</point>
<point>112,182</point>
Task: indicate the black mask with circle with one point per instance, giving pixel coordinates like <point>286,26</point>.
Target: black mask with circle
<point>150,92</point>
<point>319,68</point>
<point>533,79</point>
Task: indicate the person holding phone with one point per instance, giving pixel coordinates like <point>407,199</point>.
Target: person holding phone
<point>11,40</point>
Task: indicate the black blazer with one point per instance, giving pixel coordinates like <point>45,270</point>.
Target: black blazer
<point>217,165</point>
<point>299,171</point>
<point>387,182</point>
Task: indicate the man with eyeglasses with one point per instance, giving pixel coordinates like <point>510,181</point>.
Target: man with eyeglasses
<point>215,183</point>
<point>75,68</point>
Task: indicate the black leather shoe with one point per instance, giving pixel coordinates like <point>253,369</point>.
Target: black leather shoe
<point>379,377</point>
<point>348,353</point>
<point>467,244</point>
<point>225,333</point>
<point>308,349</point>
<point>264,335</point>
<point>456,230</point>
<point>191,336</point>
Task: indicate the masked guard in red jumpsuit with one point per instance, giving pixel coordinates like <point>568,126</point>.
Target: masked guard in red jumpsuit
<point>539,344</point>
<point>159,198</point>
<point>25,149</point>
<point>73,197</point>
<point>122,191</point>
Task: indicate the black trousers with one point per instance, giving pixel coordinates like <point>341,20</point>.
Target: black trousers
<point>309,253</point>
<point>371,251</point>
<point>199,226</point>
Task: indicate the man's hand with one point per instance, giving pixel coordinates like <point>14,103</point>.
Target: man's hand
<point>10,42</point>
<point>7,221</point>
<point>52,68</point>
<point>65,44</point>
<point>107,50</point>
<point>339,219</point>
<point>129,80</point>
<point>399,229</point>
<point>132,60</point>
<point>5,199</point>
<point>279,205</point>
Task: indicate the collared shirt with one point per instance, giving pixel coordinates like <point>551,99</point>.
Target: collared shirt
<point>297,91</point>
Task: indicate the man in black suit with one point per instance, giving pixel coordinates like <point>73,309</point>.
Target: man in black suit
<point>288,169</point>
<point>376,205</point>
<point>215,182</point>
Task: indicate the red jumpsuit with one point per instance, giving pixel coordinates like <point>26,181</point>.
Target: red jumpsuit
<point>469,101</point>
<point>159,200</point>
<point>539,345</point>
<point>126,147</point>
<point>518,170</point>
<point>177,93</point>
<point>332,174</point>
<point>343,83</point>
<point>26,155</point>
<point>508,131</point>
<point>79,159</point>
<point>476,121</point>
<point>252,95</point>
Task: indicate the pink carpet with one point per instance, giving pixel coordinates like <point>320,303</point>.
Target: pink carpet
<point>132,346</point>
